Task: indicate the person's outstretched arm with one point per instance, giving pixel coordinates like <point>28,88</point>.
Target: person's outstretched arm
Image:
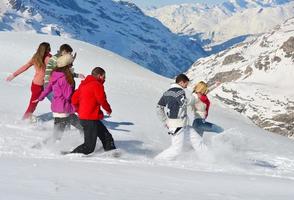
<point>20,70</point>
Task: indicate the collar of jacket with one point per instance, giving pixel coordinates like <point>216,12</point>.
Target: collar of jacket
<point>56,75</point>
<point>175,85</point>
<point>90,78</point>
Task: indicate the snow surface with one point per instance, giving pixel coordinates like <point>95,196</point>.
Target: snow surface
<point>244,162</point>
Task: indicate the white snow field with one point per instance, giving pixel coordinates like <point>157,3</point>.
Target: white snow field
<point>244,162</point>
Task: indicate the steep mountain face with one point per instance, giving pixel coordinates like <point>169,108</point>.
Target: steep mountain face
<point>257,78</point>
<point>117,26</point>
<point>220,23</point>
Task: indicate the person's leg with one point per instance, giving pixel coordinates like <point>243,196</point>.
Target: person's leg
<point>59,126</point>
<point>75,122</point>
<point>90,137</point>
<point>197,125</point>
<point>36,91</point>
<point>177,143</point>
<point>105,137</point>
<point>196,140</point>
<point>210,127</point>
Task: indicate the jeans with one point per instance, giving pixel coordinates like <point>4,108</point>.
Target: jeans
<point>50,95</point>
<point>201,126</point>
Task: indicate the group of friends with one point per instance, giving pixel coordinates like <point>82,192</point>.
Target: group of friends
<point>54,79</point>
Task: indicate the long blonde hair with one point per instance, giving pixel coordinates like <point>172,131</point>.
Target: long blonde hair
<point>201,88</point>
<point>40,54</point>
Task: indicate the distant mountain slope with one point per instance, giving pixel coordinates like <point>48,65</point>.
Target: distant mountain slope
<point>257,77</point>
<point>225,21</point>
<point>117,26</point>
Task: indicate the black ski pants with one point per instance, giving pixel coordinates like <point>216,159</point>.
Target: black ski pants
<point>60,125</point>
<point>92,130</point>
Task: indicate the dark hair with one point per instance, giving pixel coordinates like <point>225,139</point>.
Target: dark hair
<point>98,71</point>
<point>182,77</point>
<point>67,72</point>
<point>65,47</point>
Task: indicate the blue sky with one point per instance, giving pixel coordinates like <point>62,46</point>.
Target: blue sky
<point>146,3</point>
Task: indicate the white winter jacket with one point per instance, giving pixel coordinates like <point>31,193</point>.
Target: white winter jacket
<point>198,107</point>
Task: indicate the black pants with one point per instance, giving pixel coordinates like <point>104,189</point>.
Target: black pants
<point>92,130</point>
<point>60,125</point>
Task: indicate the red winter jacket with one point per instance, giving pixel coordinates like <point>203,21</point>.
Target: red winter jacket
<point>88,99</point>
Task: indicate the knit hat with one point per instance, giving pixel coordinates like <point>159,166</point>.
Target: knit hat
<point>64,60</point>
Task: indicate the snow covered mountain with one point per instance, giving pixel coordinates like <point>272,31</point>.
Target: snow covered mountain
<point>117,26</point>
<point>226,21</point>
<point>245,162</point>
<point>257,77</point>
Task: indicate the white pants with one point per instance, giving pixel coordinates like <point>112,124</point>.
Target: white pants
<point>177,144</point>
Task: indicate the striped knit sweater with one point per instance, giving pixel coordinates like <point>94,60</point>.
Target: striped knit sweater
<point>50,67</point>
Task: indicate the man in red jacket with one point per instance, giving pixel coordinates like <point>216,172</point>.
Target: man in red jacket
<point>88,100</point>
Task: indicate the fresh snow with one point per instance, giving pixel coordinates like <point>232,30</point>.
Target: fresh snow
<point>244,162</point>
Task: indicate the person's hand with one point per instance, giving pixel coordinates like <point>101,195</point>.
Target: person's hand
<point>10,77</point>
<point>35,101</point>
<point>108,113</point>
<point>82,76</point>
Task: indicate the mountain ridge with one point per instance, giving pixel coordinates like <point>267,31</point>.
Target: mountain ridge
<point>257,78</point>
<point>117,26</point>
<point>219,23</point>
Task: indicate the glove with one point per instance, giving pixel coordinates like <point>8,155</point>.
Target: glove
<point>175,131</point>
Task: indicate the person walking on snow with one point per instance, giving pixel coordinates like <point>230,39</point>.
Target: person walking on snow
<point>61,85</point>
<point>200,106</point>
<point>63,49</point>
<point>88,100</point>
<point>39,61</point>
<point>172,110</point>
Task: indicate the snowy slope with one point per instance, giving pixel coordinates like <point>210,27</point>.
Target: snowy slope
<point>117,26</point>
<point>258,78</point>
<point>244,162</point>
<point>225,21</point>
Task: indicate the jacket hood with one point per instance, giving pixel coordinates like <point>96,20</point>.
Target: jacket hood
<point>57,75</point>
<point>89,79</point>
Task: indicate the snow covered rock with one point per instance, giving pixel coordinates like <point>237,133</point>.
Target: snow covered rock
<point>257,78</point>
<point>233,20</point>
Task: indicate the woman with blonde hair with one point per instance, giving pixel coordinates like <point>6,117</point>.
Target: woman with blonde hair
<point>39,61</point>
<point>200,105</point>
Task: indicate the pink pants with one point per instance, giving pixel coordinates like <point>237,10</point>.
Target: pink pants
<point>36,92</point>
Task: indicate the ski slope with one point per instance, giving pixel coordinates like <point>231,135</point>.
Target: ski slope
<point>244,162</point>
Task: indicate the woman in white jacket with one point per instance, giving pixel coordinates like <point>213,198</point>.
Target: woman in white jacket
<point>200,105</point>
